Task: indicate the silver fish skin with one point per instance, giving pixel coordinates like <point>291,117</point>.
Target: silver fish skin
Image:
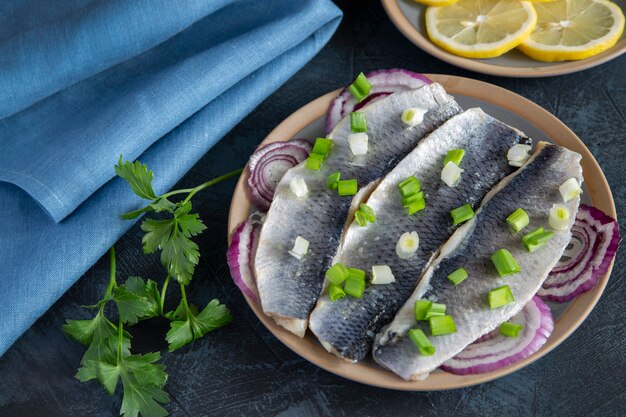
<point>347,327</point>
<point>535,188</point>
<point>289,287</point>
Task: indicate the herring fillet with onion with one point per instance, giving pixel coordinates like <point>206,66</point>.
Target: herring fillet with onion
<point>289,287</point>
<point>535,189</point>
<point>347,326</point>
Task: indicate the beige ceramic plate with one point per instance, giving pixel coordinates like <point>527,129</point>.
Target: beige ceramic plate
<point>508,107</point>
<point>408,16</point>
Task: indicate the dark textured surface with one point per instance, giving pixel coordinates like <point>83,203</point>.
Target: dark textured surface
<point>242,370</point>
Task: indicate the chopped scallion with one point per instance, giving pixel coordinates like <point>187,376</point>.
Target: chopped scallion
<point>534,241</point>
<point>337,273</point>
<point>418,337</point>
<point>454,155</point>
<point>356,274</point>
<point>314,161</point>
<point>458,276</point>
<point>354,287</point>
<point>335,292</point>
<point>500,296</point>
<point>559,217</point>
<point>360,88</point>
<point>570,189</point>
<point>409,186</point>
<point>368,212</point>
<point>347,187</point>
<point>381,274</point>
<point>322,146</point>
<point>505,263</point>
<point>435,309</point>
<point>360,218</point>
<point>420,308</point>
<point>357,122</point>
<point>333,180</point>
<point>440,325</point>
<point>518,220</point>
<point>462,214</point>
<point>414,203</point>
<point>509,329</point>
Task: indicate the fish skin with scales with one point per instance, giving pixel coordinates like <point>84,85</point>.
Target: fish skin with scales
<point>347,327</point>
<point>535,188</point>
<point>288,287</point>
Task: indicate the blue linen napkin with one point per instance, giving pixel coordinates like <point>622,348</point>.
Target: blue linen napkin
<point>83,81</point>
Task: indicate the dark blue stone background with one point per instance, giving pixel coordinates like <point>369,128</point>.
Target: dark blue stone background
<point>242,370</point>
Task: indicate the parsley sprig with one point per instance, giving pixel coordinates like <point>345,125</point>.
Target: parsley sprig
<point>108,358</point>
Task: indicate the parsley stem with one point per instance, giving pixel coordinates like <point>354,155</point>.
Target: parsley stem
<point>112,282</point>
<point>163,291</point>
<point>193,191</point>
<point>184,295</point>
<point>120,339</point>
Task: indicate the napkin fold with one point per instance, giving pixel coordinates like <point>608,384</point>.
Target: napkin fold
<point>84,81</point>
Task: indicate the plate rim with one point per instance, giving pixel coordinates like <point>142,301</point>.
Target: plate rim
<point>576,312</point>
<point>402,23</point>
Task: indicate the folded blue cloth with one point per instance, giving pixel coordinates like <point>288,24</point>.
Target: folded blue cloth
<point>83,81</point>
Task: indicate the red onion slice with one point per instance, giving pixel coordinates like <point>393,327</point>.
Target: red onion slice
<point>384,83</point>
<point>268,165</point>
<point>240,256</point>
<point>595,239</point>
<point>494,351</point>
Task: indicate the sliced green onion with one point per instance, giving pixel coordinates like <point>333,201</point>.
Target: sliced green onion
<point>500,296</point>
<point>300,247</point>
<point>414,203</point>
<point>333,180</point>
<point>298,187</point>
<point>518,220</point>
<point>570,189</point>
<point>337,273</point>
<point>381,274</point>
<point>356,274</point>
<point>462,214</point>
<point>534,233</point>
<point>454,155</point>
<point>418,337</point>
<point>322,146</point>
<point>358,143</point>
<point>357,122</point>
<point>505,263</point>
<point>368,212</point>
<point>347,187</point>
<point>409,186</point>
<point>314,161</point>
<point>458,276</point>
<point>509,329</point>
<point>360,218</point>
<point>537,240</point>
<point>559,217</point>
<point>413,116</point>
<point>440,325</point>
<point>451,174</point>
<point>420,308</point>
<point>354,287</point>
<point>335,292</point>
<point>407,245</point>
<point>518,155</point>
<point>360,88</point>
<point>435,309</point>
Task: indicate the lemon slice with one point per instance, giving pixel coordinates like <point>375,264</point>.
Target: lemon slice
<point>574,29</point>
<point>480,28</point>
<point>436,2</point>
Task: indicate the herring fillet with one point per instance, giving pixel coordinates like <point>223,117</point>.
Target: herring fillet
<point>347,326</point>
<point>288,287</point>
<point>535,188</point>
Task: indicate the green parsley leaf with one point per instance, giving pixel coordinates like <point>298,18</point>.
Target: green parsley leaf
<point>179,254</point>
<point>148,289</point>
<point>130,306</point>
<point>138,176</point>
<point>142,379</point>
<point>86,331</point>
<point>183,332</point>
